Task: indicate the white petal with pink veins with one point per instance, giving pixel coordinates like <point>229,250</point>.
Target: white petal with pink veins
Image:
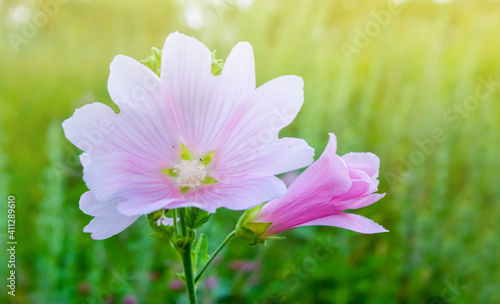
<point>107,220</point>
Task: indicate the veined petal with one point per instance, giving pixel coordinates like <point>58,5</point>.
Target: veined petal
<point>138,93</point>
<point>190,90</point>
<point>97,130</point>
<point>361,186</point>
<point>91,206</point>
<point>118,175</point>
<point>251,138</point>
<point>360,202</point>
<point>89,128</point>
<point>364,161</point>
<point>349,221</point>
<point>146,202</point>
<point>278,156</point>
<point>235,83</point>
<point>133,85</point>
<point>185,59</point>
<point>309,195</point>
<point>238,195</point>
<point>202,103</point>
<point>238,75</point>
<point>108,221</point>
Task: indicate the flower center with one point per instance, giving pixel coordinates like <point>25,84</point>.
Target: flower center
<point>190,173</point>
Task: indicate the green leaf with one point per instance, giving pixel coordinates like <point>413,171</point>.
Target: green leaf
<point>155,227</point>
<point>184,189</point>
<point>197,217</point>
<point>200,253</point>
<point>160,232</point>
<point>181,276</point>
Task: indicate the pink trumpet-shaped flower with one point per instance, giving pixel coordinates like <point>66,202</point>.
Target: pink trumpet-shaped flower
<point>321,194</point>
<point>186,138</point>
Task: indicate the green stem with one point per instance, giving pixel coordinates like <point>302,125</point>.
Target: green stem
<point>212,257</point>
<point>182,215</point>
<point>185,252</point>
<point>174,212</point>
<point>188,273</point>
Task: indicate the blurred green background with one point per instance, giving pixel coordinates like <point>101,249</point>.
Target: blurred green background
<point>418,85</point>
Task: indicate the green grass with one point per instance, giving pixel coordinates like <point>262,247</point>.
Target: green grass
<point>410,80</point>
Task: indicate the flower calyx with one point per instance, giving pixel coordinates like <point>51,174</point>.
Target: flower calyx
<point>250,231</point>
<point>154,61</point>
<point>157,220</point>
<point>217,65</point>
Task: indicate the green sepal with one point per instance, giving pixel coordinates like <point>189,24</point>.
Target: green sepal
<point>184,189</point>
<point>249,215</point>
<point>154,61</point>
<point>207,159</point>
<point>209,181</point>
<point>161,231</point>
<point>155,215</point>
<point>169,172</point>
<point>185,153</point>
<point>217,65</point>
<point>250,231</point>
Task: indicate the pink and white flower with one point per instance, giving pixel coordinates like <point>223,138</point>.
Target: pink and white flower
<point>320,195</point>
<point>186,138</point>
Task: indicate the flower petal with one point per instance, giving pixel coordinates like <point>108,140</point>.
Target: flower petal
<point>140,203</point>
<point>138,93</point>
<point>108,221</point>
<point>91,206</point>
<point>235,83</point>
<point>202,103</point>
<point>89,127</point>
<point>349,221</point>
<point>364,161</point>
<point>190,87</point>
<point>142,187</point>
<point>309,195</point>
<point>133,85</point>
<point>237,196</point>
<point>251,138</point>
<point>238,74</point>
<point>97,130</point>
<point>362,201</point>
<point>274,158</point>
<point>361,186</point>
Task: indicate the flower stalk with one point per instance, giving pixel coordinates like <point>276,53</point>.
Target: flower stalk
<point>188,272</point>
<point>184,246</point>
<point>212,257</point>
